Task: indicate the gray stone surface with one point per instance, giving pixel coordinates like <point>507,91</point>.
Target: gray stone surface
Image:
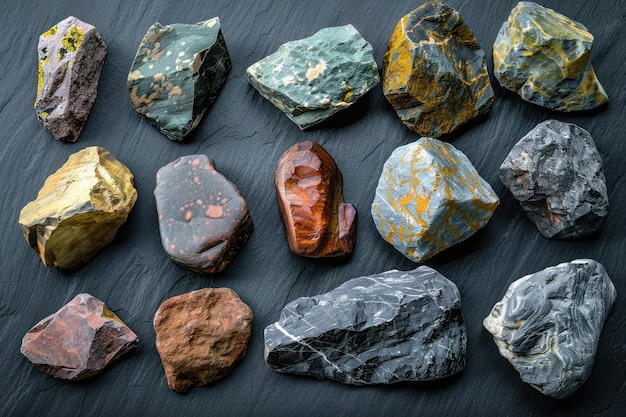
<point>377,329</point>
<point>548,324</point>
<point>556,173</point>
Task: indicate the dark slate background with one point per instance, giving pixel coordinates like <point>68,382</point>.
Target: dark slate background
<point>246,135</point>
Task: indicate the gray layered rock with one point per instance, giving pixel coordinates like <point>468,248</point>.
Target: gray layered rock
<point>378,329</point>
<point>556,173</point>
<point>548,324</point>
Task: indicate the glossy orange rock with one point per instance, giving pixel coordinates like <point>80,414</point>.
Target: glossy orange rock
<point>309,187</point>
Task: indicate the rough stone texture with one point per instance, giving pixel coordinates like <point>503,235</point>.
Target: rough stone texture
<point>177,73</point>
<point>430,197</point>
<point>313,78</point>
<point>79,340</point>
<point>548,324</point>
<point>203,219</point>
<point>71,56</point>
<point>79,208</point>
<point>378,329</point>
<point>434,72</point>
<point>201,335</point>
<point>309,187</point>
<point>544,57</point>
<point>556,173</point>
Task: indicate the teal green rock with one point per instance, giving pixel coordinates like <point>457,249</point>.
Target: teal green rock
<point>177,73</point>
<point>313,78</point>
<point>544,57</point>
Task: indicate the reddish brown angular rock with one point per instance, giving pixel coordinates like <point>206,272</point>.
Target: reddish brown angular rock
<point>309,187</point>
<point>79,340</point>
<point>203,219</point>
<point>201,335</point>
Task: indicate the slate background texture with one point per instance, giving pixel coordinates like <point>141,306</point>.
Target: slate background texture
<point>246,135</point>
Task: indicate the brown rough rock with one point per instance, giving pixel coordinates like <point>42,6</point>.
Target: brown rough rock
<point>79,340</point>
<point>79,208</point>
<point>201,335</point>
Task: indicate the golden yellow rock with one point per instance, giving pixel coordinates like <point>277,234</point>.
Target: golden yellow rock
<point>79,208</point>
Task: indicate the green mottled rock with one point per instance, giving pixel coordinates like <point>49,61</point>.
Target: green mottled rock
<point>434,72</point>
<point>313,78</point>
<point>544,57</point>
<point>177,73</point>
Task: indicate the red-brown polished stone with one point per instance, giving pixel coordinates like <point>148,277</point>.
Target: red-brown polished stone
<point>79,340</point>
<point>309,187</point>
<point>201,335</point>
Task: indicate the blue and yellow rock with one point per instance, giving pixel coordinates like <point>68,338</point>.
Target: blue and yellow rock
<point>313,78</point>
<point>430,197</point>
<point>177,73</point>
<point>544,57</point>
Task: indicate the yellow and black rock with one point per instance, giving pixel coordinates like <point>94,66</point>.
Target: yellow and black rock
<point>434,72</point>
<point>79,208</point>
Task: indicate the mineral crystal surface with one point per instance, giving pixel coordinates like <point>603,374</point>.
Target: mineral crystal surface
<point>79,208</point>
<point>544,57</point>
<point>203,219</point>
<point>71,56</point>
<point>79,340</point>
<point>548,324</point>
<point>434,72</point>
<point>201,336</point>
<point>177,73</point>
<point>313,78</point>
<point>309,187</point>
<point>430,197</point>
<point>556,173</point>
<point>379,329</point>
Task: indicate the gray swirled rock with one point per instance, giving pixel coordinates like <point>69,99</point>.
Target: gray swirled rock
<point>378,329</point>
<point>548,324</point>
<point>556,173</point>
<point>313,78</point>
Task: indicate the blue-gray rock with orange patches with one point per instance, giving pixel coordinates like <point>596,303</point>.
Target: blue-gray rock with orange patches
<point>378,329</point>
<point>556,173</point>
<point>177,74</point>
<point>313,78</point>
<point>71,56</point>
<point>203,219</point>
<point>548,324</point>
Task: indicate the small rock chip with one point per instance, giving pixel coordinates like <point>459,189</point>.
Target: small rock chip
<point>79,208</point>
<point>548,324</point>
<point>79,340</point>
<point>203,219</point>
<point>177,73</point>
<point>71,56</point>
<point>556,173</point>
<point>430,197</point>
<point>434,72</point>
<point>201,335</point>
<point>544,57</point>
<point>309,187</point>
<point>313,78</point>
<point>378,329</point>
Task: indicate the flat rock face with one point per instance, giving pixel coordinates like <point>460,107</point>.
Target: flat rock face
<point>177,73</point>
<point>201,335</point>
<point>378,329</point>
<point>430,197</point>
<point>79,208</point>
<point>71,56</point>
<point>309,187</point>
<point>79,340</point>
<point>313,78</point>
<point>548,324</point>
<point>434,72</point>
<point>203,219</point>
<point>556,173</point>
<point>544,57</point>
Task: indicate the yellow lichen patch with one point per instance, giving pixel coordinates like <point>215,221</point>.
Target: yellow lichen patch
<point>50,32</point>
<point>134,75</point>
<point>288,79</point>
<point>73,39</point>
<point>174,91</point>
<point>315,71</point>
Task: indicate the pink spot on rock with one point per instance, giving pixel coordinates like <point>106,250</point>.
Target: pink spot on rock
<point>188,215</point>
<point>214,211</point>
